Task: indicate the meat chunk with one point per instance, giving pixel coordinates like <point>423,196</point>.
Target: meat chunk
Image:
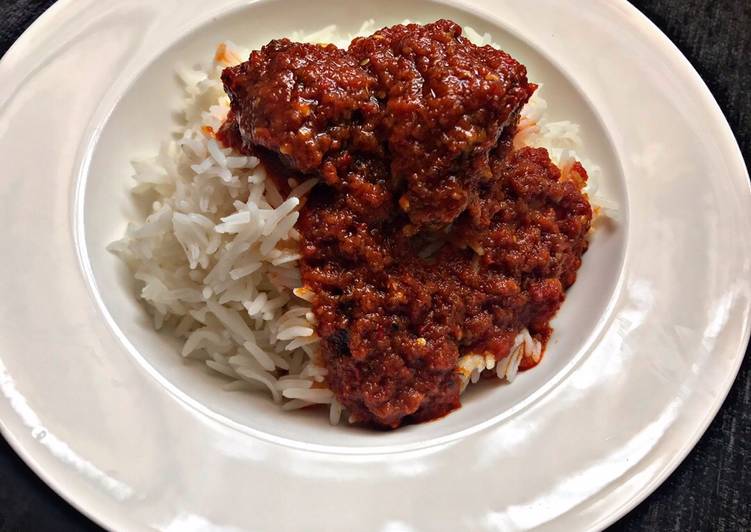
<point>424,95</point>
<point>445,104</point>
<point>303,101</point>
<point>408,318</point>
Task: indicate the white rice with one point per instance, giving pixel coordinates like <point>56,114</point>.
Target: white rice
<point>217,257</point>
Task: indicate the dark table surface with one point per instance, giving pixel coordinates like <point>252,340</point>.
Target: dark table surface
<point>711,489</point>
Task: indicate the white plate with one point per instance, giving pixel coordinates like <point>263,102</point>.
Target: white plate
<point>647,344</point>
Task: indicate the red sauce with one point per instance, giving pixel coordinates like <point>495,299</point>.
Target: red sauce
<point>410,132</point>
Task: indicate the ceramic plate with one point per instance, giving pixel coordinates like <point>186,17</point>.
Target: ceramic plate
<point>646,346</point>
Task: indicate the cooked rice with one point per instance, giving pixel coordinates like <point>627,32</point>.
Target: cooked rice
<point>220,271</point>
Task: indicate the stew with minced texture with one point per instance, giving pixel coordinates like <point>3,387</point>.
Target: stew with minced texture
<point>428,237</point>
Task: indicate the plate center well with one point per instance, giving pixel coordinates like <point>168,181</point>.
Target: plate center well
<point>144,117</point>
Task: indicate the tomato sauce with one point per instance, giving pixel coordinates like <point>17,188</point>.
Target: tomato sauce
<point>429,237</point>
